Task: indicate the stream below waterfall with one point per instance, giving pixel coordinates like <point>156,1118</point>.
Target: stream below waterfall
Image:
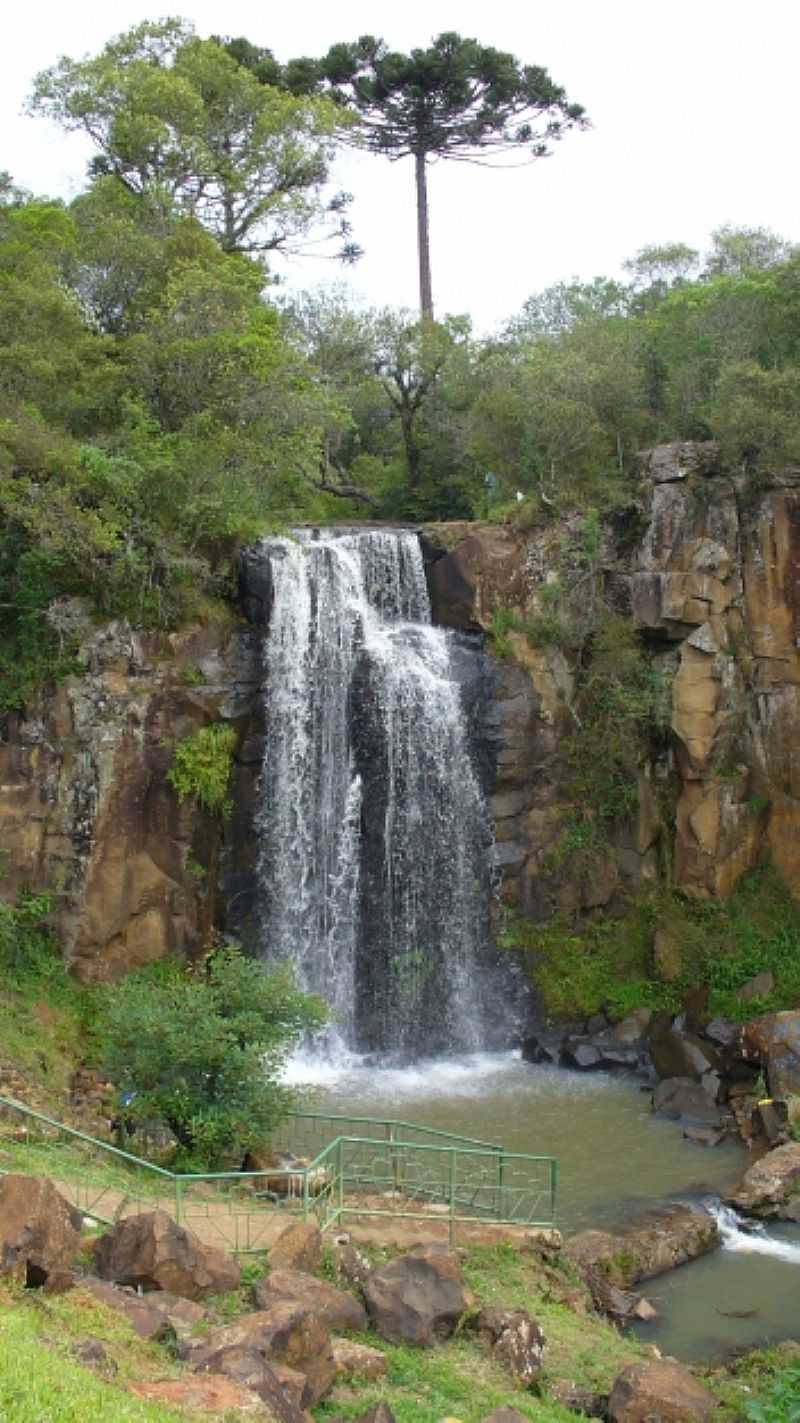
<point>616,1160</point>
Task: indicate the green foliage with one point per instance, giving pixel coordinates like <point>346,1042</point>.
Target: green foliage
<point>201,767</point>
<point>203,1051</point>
<point>26,945</point>
<point>608,964</point>
<point>780,1403</point>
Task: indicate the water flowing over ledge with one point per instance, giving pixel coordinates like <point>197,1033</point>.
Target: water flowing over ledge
<point>374,835</point>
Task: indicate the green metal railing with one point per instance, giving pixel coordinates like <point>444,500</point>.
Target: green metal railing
<point>375,1171</point>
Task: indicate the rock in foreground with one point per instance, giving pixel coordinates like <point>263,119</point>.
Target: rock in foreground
<point>152,1252</point>
<point>659,1392</point>
<point>39,1230</point>
<point>769,1188</point>
<point>416,1298</point>
<point>651,1248</point>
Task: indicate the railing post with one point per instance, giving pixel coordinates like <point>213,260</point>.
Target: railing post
<point>553,1186</point>
<point>452,1193</point>
<point>340,1174</point>
<point>305,1193</point>
<point>501,1167</point>
<point>178,1200</point>
<point>394,1156</point>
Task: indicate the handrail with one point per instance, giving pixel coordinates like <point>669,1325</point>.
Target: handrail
<point>330,1167</point>
<point>394,1122</point>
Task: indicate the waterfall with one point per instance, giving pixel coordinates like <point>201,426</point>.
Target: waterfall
<point>373,831</point>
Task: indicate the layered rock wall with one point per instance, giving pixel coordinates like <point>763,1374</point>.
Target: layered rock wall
<point>712,584</point>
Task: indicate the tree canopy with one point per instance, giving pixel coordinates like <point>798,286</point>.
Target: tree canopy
<point>458,100</point>
<point>174,115</point>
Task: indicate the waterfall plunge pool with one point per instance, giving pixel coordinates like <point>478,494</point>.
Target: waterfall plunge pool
<point>616,1160</point>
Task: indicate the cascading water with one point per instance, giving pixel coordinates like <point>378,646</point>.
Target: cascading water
<point>374,836</point>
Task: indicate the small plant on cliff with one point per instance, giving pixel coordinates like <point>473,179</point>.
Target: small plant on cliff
<point>201,767</point>
<point>203,1051</point>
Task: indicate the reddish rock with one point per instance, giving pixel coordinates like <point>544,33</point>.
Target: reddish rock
<point>39,1230</point>
<point>769,1187</point>
<point>153,1252</point>
<point>659,1392</point>
<point>336,1308</point>
<point>358,1359</point>
<point>211,1393</point>
<point>286,1333</point>
<point>298,1247</point>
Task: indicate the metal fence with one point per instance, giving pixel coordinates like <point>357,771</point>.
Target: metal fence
<point>385,1169</point>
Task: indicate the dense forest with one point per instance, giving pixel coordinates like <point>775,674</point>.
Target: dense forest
<point>162,400</point>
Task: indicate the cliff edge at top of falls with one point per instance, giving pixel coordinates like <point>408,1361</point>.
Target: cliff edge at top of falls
<point>705,568</point>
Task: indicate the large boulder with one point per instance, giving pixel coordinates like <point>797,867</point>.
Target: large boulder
<point>769,1188</point>
<point>152,1252</point>
<point>774,1041</point>
<point>677,1054</point>
<point>651,1248</point>
<point>416,1298</point>
<point>338,1309</point>
<point>286,1333</point>
<point>39,1229</point>
<point>681,1099</point>
<point>515,1341</point>
<point>659,1392</point>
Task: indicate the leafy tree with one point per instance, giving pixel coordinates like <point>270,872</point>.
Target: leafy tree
<point>203,1051</point>
<point>737,251</point>
<point>457,99</point>
<point>656,268</point>
<point>173,115</point>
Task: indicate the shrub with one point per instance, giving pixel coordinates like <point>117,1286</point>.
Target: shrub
<point>203,1051</point>
<point>201,767</point>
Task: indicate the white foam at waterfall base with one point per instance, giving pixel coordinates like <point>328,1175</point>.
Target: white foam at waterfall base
<point>751,1238</point>
<point>465,1075</point>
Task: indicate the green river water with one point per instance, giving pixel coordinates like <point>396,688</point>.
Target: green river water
<point>616,1160</point>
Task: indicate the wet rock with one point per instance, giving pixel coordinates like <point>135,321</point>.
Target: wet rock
<point>774,1119</point>
<point>359,1360</point>
<point>582,1054</point>
<point>514,1340</point>
<point>153,1252</point>
<point>722,1032</point>
<point>632,1029</point>
<point>286,1333</point>
<point>769,1187</point>
<point>657,1244</point>
<point>298,1247</point>
<point>416,1298</point>
<point>338,1309</point>
<point>677,1054</point>
<point>622,1304</point>
<point>598,1023</point>
<point>682,1099</point>
<point>542,1047</point>
<point>659,1392</point>
<point>704,1136</point>
<point>774,1041</point>
<point>39,1230</point>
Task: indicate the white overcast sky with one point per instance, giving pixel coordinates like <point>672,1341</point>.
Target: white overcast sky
<point>694,105</point>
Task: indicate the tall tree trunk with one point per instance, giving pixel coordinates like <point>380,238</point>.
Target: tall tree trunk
<point>407,422</point>
<point>423,240</point>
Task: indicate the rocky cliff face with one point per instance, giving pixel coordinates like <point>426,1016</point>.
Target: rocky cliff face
<point>708,572</point>
<point>712,583</point>
<point>86,810</point>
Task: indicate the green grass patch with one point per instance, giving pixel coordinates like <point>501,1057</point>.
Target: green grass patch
<point>41,1383</point>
